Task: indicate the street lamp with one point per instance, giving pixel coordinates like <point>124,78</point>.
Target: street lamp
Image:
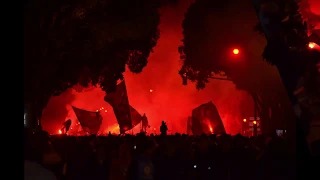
<point>235,51</point>
<point>255,128</point>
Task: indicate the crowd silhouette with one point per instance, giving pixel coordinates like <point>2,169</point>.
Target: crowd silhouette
<point>156,157</point>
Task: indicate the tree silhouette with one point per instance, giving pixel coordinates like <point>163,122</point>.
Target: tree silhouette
<point>85,41</point>
<point>211,30</point>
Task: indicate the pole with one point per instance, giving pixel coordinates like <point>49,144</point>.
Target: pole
<point>255,118</point>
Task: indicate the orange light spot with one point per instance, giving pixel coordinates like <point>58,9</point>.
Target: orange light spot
<point>60,132</point>
<point>105,110</point>
<point>154,129</point>
<point>254,122</point>
<point>151,90</point>
<point>244,120</point>
<point>236,51</point>
<point>312,45</point>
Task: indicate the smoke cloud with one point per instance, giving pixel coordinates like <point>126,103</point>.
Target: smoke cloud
<point>169,100</point>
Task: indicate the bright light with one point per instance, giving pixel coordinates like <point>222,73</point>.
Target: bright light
<point>151,90</point>
<point>105,111</point>
<point>60,132</point>
<point>24,119</point>
<point>254,122</point>
<point>211,130</point>
<point>235,51</point>
<point>312,45</point>
<point>244,120</point>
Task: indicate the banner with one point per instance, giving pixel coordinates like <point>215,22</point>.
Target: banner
<point>89,121</point>
<point>206,119</point>
<point>135,116</point>
<point>126,115</point>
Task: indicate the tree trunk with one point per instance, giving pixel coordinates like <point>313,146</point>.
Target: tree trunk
<point>286,68</point>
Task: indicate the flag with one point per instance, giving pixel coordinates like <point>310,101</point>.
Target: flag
<point>135,116</point>
<point>126,115</point>
<point>206,119</point>
<point>89,121</point>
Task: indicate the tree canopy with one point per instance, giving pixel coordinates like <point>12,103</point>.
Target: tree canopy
<point>211,30</point>
<point>210,35</point>
<point>86,41</point>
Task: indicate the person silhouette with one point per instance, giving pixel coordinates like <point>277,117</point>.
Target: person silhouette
<point>145,123</point>
<point>163,128</point>
<point>66,126</point>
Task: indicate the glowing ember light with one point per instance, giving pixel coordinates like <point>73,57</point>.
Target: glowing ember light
<point>312,45</point>
<point>102,107</point>
<point>154,129</point>
<point>97,110</point>
<point>151,90</point>
<point>211,130</point>
<point>244,120</point>
<point>105,111</point>
<point>60,132</point>
<point>235,51</point>
<point>254,122</point>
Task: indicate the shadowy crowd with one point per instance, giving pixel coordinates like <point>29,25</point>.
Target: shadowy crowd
<point>163,157</point>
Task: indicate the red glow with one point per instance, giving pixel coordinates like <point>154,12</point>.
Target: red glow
<point>59,131</point>
<point>235,51</point>
<point>169,101</point>
<point>310,10</point>
<point>151,90</point>
<point>244,120</point>
<point>254,122</point>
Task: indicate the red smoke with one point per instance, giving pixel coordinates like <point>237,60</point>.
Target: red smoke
<point>168,99</point>
<point>310,10</point>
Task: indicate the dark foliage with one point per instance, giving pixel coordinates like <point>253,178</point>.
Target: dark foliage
<point>288,41</point>
<point>210,32</point>
<point>208,43</point>
<point>197,50</point>
<point>85,41</point>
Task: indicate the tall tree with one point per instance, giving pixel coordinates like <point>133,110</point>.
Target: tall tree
<point>84,41</point>
<point>211,30</point>
<point>287,48</point>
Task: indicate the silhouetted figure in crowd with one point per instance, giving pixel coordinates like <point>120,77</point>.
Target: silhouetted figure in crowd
<point>66,126</point>
<point>145,123</point>
<point>141,167</point>
<point>163,128</point>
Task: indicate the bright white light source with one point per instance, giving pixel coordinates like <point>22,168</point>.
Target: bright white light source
<point>195,166</point>
<point>25,119</point>
<point>312,45</point>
